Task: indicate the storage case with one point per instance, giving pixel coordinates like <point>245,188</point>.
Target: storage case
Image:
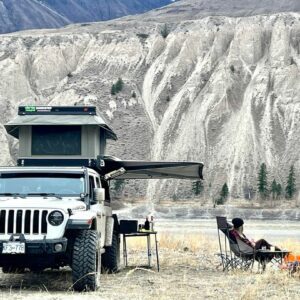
<point>128,226</point>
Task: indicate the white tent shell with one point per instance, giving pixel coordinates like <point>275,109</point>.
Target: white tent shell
<point>13,126</point>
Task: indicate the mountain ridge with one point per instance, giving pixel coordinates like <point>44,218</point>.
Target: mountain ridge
<point>18,15</point>
<point>95,10</point>
<point>195,9</point>
<point>26,14</point>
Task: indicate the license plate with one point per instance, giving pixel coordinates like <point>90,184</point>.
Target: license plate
<point>13,248</point>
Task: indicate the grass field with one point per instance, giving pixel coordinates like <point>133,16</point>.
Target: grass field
<point>189,270</point>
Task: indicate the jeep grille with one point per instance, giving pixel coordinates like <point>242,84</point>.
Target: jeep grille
<point>14,221</point>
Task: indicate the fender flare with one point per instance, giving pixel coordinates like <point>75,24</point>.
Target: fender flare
<point>82,220</point>
<point>116,223</point>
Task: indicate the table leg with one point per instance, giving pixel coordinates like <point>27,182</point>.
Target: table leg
<point>125,251</point>
<point>156,248</point>
<point>149,250</point>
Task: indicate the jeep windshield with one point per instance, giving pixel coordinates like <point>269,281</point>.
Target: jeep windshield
<point>41,184</point>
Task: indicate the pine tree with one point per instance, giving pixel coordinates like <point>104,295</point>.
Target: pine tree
<point>224,192</point>
<point>279,190</point>
<point>290,189</point>
<point>133,94</point>
<point>262,181</point>
<point>197,187</point>
<point>223,195</point>
<point>274,189</point>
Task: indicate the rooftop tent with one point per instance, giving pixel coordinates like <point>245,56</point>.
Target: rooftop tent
<point>76,136</point>
<point>60,131</point>
<point>57,116</point>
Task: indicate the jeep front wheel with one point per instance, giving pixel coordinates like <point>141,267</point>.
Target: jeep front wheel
<point>86,261</point>
<point>12,269</point>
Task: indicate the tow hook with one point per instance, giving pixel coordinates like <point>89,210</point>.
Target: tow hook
<point>17,238</point>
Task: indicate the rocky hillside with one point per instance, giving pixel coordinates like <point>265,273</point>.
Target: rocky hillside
<point>18,15</point>
<point>220,90</point>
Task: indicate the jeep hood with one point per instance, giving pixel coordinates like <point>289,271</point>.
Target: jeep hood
<point>42,203</point>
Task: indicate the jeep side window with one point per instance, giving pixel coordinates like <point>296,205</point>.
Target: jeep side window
<point>92,186</point>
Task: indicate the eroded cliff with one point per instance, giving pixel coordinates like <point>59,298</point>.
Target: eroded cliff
<point>220,90</point>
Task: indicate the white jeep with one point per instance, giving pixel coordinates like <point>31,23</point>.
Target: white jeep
<point>52,217</point>
<point>55,206</point>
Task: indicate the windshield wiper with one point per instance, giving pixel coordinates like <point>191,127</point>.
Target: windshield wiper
<point>13,194</point>
<point>45,195</point>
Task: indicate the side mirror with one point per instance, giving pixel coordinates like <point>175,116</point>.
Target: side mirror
<point>99,195</point>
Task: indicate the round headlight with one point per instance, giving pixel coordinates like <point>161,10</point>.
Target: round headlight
<point>55,218</point>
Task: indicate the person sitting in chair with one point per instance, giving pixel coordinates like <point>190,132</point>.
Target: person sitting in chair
<point>237,232</point>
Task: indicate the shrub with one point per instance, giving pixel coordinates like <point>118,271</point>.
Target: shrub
<point>142,35</point>
<point>117,87</point>
<point>165,31</point>
<point>113,90</point>
<point>119,185</point>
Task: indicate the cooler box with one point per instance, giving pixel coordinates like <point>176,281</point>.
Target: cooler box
<point>128,226</point>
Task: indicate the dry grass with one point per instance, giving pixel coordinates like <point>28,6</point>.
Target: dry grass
<point>189,270</point>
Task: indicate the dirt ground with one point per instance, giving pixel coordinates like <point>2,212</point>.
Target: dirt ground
<point>186,273</point>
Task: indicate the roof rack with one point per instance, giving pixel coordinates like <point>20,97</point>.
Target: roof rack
<point>56,110</point>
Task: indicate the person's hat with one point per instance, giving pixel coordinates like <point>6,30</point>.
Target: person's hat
<point>237,222</point>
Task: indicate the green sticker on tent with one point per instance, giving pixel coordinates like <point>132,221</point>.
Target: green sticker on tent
<point>30,108</point>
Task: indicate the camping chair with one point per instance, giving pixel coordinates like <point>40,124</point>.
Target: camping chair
<point>234,254</point>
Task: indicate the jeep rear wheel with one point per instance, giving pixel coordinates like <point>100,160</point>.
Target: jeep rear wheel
<point>86,261</point>
<point>111,257</point>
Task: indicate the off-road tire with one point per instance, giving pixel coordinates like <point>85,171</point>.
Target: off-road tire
<point>12,270</point>
<point>86,261</point>
<point>111,257</point>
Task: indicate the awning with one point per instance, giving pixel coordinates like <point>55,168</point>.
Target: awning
<point>151,170</point>
<point>125,169</point>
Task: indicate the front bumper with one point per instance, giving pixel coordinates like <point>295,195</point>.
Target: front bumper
<point>39,247</point>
